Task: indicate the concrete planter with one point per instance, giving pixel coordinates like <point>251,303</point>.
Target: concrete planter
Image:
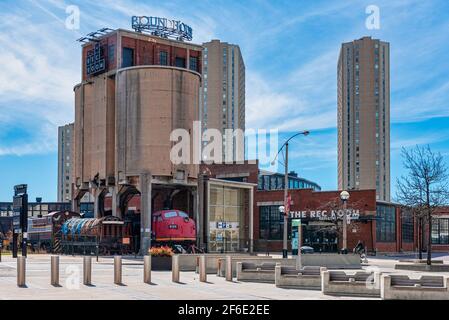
<point>161,263</point>
<point>438,267</point>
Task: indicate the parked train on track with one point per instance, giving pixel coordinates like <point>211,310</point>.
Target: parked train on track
<point>69,233</point>
<point>44,232</point>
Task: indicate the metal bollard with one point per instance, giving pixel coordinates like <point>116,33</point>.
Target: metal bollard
<point>21,270</point>
<point>175,268</point>
<point>299,261</point>
<point>228,268</point>
<point>203,273</point>
<point>55,271</point>
<point>87,271</point>
<point>118,270</point>
<point>147,269</point>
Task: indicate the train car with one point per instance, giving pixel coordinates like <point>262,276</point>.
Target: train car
<point>173,227</point>
<point>44,232</point>
<point>94,236</point>
<point>5,232</point>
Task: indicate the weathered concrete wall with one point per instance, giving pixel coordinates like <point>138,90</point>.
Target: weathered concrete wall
<point>151,103</point>
<point>94,129</point>
<point>332,260</point>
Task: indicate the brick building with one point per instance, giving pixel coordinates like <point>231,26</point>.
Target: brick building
<point>381,226</point>
<point>440,231</point>
<point>320,230</point>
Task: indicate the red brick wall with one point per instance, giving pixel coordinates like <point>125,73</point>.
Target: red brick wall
<point>105,44</point>
<point>235,169</point>
<point>146,52</point>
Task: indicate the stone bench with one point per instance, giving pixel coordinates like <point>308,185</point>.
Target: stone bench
<point>423,288</point>
<point>189,262</point>
<point>221,269</point>
<point>332,260</point>
<point>308,277</point>
<point>360,283</point>
<point>254,272</point>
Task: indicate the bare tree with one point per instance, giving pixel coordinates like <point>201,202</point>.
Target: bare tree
<point>335,204</point>
<point>424,188</point>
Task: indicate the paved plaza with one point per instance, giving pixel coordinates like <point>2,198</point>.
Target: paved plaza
<point>38,282</point>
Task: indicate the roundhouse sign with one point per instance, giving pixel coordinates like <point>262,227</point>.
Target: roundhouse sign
<point>162,27</point>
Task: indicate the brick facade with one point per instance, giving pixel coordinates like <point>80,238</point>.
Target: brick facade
<point>442,212</point>
<point>146,49</point>
<point>307,200</point>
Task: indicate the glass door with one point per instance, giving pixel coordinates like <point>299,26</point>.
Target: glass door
<point>225,215</point>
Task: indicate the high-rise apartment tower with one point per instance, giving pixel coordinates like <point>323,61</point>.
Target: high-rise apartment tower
<point>223,89</point>
<point>364,116</point>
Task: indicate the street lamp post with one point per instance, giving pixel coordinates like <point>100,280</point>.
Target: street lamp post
<point>344,196</point>
<point>287,205</point>
<point>285,236</point>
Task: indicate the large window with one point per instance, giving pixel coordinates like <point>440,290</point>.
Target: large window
<point>180,62</point>
<point>127,57</point>
<point>386,223</point>
<point>407,227</point>
<point>260,183</point>
<point>111,54</point>
<point>271,223</point>
<point>163,58</point>
<point>440,231</point>
<point>225,218</point>
<point>193,63</point>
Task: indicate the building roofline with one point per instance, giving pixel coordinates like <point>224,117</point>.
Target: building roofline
<point>270,173</point>
<point>151,66</point>
<point>124,31</point>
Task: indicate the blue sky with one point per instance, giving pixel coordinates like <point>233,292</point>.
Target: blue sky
<point>290,50</point>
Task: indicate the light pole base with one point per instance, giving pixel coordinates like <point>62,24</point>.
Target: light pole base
<point>284,253</point>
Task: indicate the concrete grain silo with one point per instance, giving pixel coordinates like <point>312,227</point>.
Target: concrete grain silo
<point>136,89</point>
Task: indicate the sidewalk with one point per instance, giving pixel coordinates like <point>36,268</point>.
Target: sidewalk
<point>38,283</point>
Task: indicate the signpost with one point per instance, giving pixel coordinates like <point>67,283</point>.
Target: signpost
<point>20,218</point>
<point>295,236</point>
<point>296,241</point>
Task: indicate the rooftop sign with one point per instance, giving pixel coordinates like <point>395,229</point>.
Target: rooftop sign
<point>162,27</point>
<point>95,62</point>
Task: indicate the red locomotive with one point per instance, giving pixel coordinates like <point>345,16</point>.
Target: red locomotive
<point>171,227</point>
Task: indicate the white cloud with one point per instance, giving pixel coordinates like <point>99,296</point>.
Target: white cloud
<point>265,108</point>
<point>40,61</point>
<point>36,82</point>
<point>304,99</point>
<point>418,138</point>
